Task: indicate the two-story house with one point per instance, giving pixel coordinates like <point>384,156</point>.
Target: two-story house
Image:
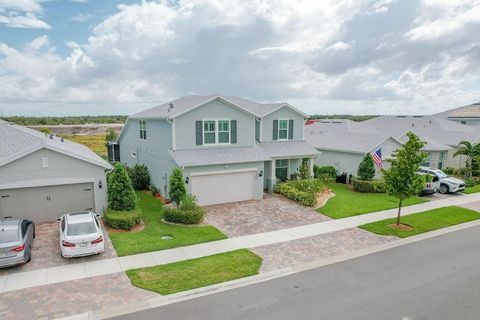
<point>230,149</point>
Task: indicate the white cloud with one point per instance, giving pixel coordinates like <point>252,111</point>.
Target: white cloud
<point>81,17</point>
<point>22,14</point>
<point>329,54</point>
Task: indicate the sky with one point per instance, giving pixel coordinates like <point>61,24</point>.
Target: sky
<point>97,57</point>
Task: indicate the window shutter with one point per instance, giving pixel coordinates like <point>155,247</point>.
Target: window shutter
<point>199,132</point>
<point>290,129</point>
<point>275,129</point>
<point>233,131</point>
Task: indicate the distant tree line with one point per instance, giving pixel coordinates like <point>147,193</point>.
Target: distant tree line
<point>357,118</point>
<point>69,120</point>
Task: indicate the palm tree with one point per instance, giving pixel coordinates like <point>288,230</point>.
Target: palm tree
<point>470,152</point>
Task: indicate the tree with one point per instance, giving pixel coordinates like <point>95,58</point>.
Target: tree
<point>45,130</point>
<point>402,180</point>
<point>110,135</point>
<point>471,152</point>
<point>177,188</point>
<point>366,168</point>
<point>139,177</point>
<point>121,196</point>
<point>304,169</point>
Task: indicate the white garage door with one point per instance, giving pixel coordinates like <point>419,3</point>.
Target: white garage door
<point>47,203</point>
<point>223,187</point>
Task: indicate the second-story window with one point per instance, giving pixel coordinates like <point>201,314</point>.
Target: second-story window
<point>143,129</point>
<point>282,129</point>
<point>209,132</point>
<point>223,131</point>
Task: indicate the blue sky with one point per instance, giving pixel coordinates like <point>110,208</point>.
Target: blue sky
<point>71,57</point>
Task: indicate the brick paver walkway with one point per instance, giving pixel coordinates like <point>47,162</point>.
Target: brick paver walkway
<point>272,213</point>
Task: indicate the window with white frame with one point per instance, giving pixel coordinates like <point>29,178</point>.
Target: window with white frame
<point>282,129</point>
<point>143,129</point>
<point>209,134</point>
<point>223,131</point>
<point>281,169</point>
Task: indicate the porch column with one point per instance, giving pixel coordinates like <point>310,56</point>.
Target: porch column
<point>272,180</point>
<point>310,164</point>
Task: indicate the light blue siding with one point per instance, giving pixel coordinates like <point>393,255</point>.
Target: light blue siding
<point>152,152</point>
<point>283,113</point>
<point>185,124</point>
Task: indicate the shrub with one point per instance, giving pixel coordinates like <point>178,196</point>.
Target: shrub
<point>449,170</point>
<point>121,196</point>
<point>189,212</point>
<point>177,188</point>
<point>303,191</point>
<point>368,186</point>
<point>324,171</point>
<point>45,130</point>
<point>122,219</point>
<point>304,169</point>
<point>139,176</point>
<point>366,169</point>
<point>471,182</point>
<point>110,135</point>
<point>154,190</point>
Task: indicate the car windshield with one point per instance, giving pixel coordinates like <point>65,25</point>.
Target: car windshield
<point>440,174</point>
<point>9,235</point>
<point>77,229</point>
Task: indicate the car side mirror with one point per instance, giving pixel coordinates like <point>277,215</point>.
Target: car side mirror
<point>58,219</point>
<point>98,216</point>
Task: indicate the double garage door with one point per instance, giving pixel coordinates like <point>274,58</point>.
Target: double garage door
<point>46,203</point>
<point>214,188</point>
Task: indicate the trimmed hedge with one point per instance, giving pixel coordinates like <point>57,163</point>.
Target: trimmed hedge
<point>139,176</point>
<point>303,191</point>
<point>122,219</point>
<point>365,186</point>
<point>189,212</point>
<point>325,171</point>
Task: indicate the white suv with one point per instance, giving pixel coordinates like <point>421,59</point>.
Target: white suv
<point>80,235</point>
<point>447,183</point>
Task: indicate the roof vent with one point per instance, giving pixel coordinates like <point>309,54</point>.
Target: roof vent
<point>401,116</point>
<point>413,124</point>
<point>51,136</point>
<point>62,139</point>
<point>170,106</point>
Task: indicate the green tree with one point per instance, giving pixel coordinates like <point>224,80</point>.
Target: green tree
<point>366,168</point>
<point>304,169</point>
<point>402,180</point>
<point>177,188</point>
<point>121,196</point>
<point>45,130</point>
<point>110,135</point>
<point>139,176</point>
<point>471,152</point>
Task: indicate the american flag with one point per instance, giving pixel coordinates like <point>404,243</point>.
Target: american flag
<point>377,158</point>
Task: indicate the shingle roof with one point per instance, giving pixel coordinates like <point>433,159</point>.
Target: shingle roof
<point>469,111</point>
<point>17,141</point>
<point>287,149</point>
<point>186,103</point>
<point>209,156</point>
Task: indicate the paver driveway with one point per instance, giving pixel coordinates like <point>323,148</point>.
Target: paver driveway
<point>274,212</point>
<point>46,250</point>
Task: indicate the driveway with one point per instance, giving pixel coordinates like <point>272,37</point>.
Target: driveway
<point>274,212</point>
<point>46,250</point>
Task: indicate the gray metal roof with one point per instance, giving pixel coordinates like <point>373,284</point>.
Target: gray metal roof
<point>17,141</point>
<point>220,155</point>
<point>186,103</point>
<point>279,149</point>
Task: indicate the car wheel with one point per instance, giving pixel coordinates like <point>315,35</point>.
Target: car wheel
<point>443,189</point>
<point>29,254</point>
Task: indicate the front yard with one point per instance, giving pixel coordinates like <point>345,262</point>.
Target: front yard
<point>196,273</point>
<point>474,189</point>
<point>347,202</point>
<point>150,238</point>
<point>423,221</point>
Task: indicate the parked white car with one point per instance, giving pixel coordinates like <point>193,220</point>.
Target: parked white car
<point>81,235</point>
<point>447,183</point>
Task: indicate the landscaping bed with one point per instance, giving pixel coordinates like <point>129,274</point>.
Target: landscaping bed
<point>423,222</point>
<point>347,202</point>
<point>196,273</point>
<point>149,239</point>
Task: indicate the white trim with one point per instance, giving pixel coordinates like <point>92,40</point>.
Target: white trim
<point>174,135</point>
<point>217,132</point>
<point>255,132</point>
<point>144,129</point>
<point>288,106</point>
<point>45,182</point>
<point>278,129</point>
<point>210,100</point>
<point>261,130</point>
<point>207,173</point>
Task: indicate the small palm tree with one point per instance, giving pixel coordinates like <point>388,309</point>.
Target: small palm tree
<point>471,152</point>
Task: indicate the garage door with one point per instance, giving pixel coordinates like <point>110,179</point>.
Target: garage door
<point>223,187</point>
<point>47,203</point>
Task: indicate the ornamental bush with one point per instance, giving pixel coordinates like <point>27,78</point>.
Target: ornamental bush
<point>303,191</point>
<point>121,196</point>
<point>325,171</point>
<point>139,176</point>
<point>189,212</point>
<point>177,188</point>
<point>122,219</point>
<point>366,186</point>
<point>366,169</point>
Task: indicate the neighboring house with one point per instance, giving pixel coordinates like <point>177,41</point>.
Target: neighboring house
<point>467,115</point>
<point>344,143</point>
<point>43,177</point>
<point>230,149</point>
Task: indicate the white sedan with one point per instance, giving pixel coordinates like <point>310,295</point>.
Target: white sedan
<point>80,235</point>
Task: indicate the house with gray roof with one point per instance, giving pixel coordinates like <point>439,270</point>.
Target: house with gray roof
<point>43,176</point>
<point>467,115</point>
<point>230,148</point>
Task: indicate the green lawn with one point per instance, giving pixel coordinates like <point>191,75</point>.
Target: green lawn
<point>149,239</point>
<point>347,202</point>
<point>196,273</point>
<point>424,221</point>
<point>473,189</point>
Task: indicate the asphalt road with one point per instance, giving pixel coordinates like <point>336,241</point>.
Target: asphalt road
<point>437,278</point>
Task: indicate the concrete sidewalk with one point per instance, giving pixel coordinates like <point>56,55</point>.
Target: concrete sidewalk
<point>64,273</point>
